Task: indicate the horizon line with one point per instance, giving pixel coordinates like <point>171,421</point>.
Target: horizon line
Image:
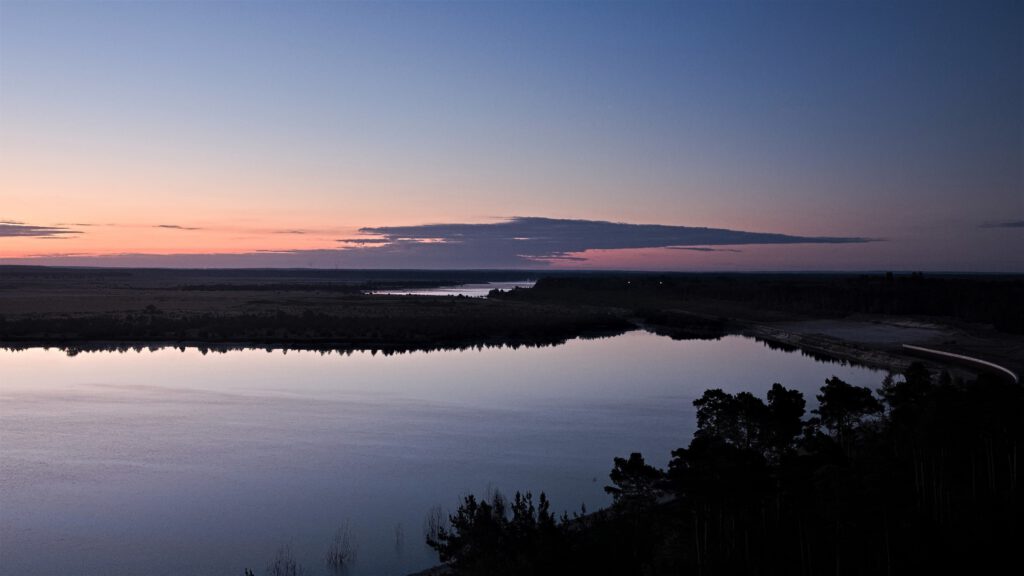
<point>523,270</point>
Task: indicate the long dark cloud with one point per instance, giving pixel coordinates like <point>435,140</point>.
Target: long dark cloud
<point>175,227</point>
<point>363,241</point>
<point>530,239</point>
<point>704,249</point>
<point>1004,224</point>
<point>522,242</point>
<point>10,229</point>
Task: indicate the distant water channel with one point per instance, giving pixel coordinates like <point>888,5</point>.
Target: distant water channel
<point>183,463</point>
<point>468,290</point>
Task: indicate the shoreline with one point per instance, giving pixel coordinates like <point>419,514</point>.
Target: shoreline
<point>341,346</point>
<point>860,319</point>
<point>820,347</point>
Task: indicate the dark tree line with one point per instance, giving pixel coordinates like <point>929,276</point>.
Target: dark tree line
<point>431,322</point>
<point>995,300</point>
<point>497,537</point>
<point>922,477</point>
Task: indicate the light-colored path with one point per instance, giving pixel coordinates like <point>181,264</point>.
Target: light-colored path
<point>968,359</point>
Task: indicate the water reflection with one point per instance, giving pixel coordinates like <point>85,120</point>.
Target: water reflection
<point>73,350</point>
<point>176,462</point>
<point>204,348</point>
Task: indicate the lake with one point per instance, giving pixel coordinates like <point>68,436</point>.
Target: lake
<point>468,290</point>
<point>183,463</point>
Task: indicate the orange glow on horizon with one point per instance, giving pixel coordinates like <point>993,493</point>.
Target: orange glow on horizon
<point>113,239</point>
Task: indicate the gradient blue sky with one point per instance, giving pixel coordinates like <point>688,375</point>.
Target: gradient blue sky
<point>156,128</point>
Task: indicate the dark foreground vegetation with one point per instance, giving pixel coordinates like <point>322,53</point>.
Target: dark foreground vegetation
<point>923,478</point>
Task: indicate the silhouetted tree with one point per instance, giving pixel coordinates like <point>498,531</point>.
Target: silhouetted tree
<point>491,537</point>
<point>716,414</point>
<point>634,482</point>
<point>915,387</point>
<point>842,408</point>
<point>785,417</point>
<point>746,422</point>
<point>751,422</point>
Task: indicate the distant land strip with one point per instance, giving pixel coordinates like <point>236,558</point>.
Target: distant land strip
<point>858,318</point>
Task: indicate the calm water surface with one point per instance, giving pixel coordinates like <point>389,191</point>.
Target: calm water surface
<point>470,290</point>
<point>180,463</point>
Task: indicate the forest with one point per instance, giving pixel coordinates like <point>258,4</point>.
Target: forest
<point>920,476</point>
<point>995,300</point>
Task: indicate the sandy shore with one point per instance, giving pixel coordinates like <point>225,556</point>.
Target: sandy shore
<point>881,343</point>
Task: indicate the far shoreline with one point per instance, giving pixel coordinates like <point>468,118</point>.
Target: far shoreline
<point>820,348</point>
<point>859,319</point>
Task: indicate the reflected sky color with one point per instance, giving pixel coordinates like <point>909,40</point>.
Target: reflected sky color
<point>179,463</point>
<point>237,127</point>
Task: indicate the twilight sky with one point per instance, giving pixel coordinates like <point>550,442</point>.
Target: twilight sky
<point>670,135</point>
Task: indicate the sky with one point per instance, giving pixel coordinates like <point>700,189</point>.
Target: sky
<point>629,135</point>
